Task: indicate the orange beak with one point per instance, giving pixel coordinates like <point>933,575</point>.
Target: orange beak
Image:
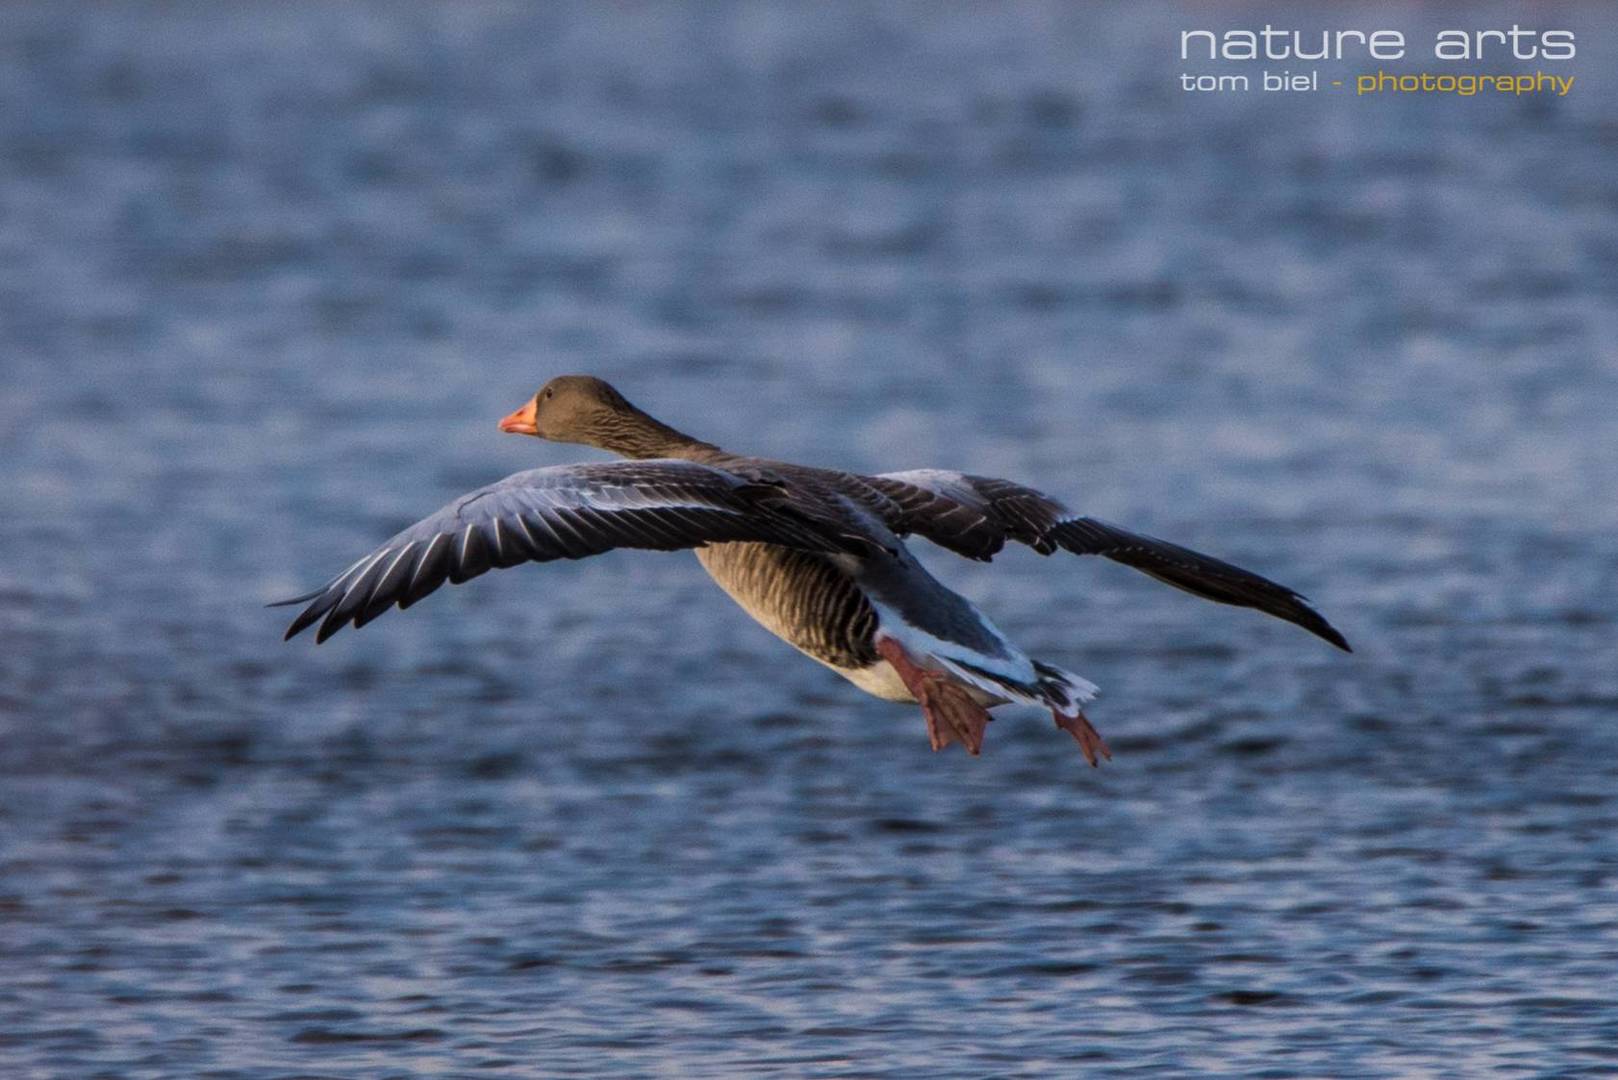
<point>523,421</point>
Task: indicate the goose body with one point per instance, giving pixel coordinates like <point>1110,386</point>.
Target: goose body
<point>816,556</point>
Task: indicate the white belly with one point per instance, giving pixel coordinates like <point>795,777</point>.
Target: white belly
<point>879,680</point>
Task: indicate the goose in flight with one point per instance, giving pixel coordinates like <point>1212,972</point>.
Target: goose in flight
<point>817,556</point>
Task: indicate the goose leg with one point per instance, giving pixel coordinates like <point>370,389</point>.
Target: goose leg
<point>952,715</point>
<point>1090,741</point>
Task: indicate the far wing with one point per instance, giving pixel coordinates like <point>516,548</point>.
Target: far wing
<point>562,512</point>
<point>975,516</point>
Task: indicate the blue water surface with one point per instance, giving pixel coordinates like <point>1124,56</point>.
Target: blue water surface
<point>269,274</point>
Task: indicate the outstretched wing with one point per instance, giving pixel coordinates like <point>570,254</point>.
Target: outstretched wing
<point>563,512</point>
<point>975,516</point>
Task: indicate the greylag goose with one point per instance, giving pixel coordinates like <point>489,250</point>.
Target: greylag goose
<point>815,555</point>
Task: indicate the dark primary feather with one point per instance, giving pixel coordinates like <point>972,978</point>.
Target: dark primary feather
<point>976,515</point>
<point>1201,575</point>
<point>569,512</point>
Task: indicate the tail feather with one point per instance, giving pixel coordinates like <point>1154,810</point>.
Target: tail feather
<point>1064,691</point>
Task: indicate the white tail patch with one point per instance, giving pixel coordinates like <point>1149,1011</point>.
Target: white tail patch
<point>1011,676</point>
<point>1059,684</point>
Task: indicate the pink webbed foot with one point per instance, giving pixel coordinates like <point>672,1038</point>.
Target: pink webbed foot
<point>1090,741</point>
<point>951,714</point>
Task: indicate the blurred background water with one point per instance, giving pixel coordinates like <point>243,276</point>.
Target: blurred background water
<point>268,276</point>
